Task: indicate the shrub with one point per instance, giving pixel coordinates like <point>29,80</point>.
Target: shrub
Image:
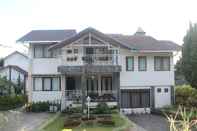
<point>70,123</point>
<point>72,110</point>
<point>108,122</point>
<point>186,96</point>
<point>85,118</point>
<point>11,102</point>
<point>102,108</point>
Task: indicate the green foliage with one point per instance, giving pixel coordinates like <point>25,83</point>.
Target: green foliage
<point>186,96</point>
<point>102,108</point>
<point>189,56</point>
<point>40,107</point>
<point>72,110</point>
<point>11,102</point>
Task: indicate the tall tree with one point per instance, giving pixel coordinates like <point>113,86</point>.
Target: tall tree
<point>189,56</point>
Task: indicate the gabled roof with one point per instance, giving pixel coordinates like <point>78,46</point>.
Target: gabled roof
<point>146,43</point>
<point>94,32</point>
<point>47,35</point>
<point>14,53</point>
<point>17,68</point>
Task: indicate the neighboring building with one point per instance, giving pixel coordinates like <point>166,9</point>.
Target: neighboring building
<point>15,68</point>
<point>134,72</point>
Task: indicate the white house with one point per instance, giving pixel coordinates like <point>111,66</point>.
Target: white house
<point>134,72</point>
<point>15,68</point>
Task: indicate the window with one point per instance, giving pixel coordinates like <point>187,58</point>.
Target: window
<point>69,51</point>
<point>75,51</point>
<point>166,90</point>
<point>129,63</point>
<point>41,51</point>
<point>46,83</point>
<point>158,90</point>
<point>37,84</point>
<point>162,63</point>
<point>56,84</point>
<point>38,52</point>
<point>142,63</point>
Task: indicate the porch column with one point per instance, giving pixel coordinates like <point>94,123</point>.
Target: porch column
<point>63,86</point>
<point>116,86</point>
<point>83,85</point>
<point>99,84</point>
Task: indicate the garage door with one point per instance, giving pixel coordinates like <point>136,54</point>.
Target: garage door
<point>135,98</point>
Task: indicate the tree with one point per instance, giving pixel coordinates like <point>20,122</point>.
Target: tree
<point>189,56</point>
<point>1,62</point>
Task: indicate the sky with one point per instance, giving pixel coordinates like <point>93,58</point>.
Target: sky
<point>162,19</point>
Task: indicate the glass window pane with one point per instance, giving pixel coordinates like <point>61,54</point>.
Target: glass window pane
<point>130,63</point>
<point>166,63</point>
<point>56,84</point>
<point>38,51</point>
<point>145,97</point>
<point>37,84</point>
<point>47,84</point>
<point>142,63</point>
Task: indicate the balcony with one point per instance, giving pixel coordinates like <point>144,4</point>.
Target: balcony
<point>100,59</point>
<point>96,96</point>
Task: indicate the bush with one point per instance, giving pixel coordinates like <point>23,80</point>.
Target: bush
<point>72,110</point>
<point>108,122</point>
<point>186,96</point>
<point>11,102</point>
<point>85,118</point>
<point>69,123</point>
<point>40,107</point>
<point>102,108</point>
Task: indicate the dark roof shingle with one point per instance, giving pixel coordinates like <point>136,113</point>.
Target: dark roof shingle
<point>47,35</point>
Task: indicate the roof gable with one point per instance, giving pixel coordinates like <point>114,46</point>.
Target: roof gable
<point>86,32</point>
<point>16,53</point>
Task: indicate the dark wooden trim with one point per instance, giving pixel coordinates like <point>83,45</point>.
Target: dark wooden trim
<point>139,57</point>
<point>131,57</point>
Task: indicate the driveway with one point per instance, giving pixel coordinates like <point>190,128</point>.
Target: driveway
<point>149,123</point>
<point>21,121</point>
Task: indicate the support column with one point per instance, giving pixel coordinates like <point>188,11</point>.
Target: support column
<point>152,97</point>
<point>116,86</point>
<point>63,88</point>
<point>99,84</point>
<point>83,88</point>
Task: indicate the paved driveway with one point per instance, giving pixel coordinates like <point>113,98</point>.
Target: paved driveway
<point>149,123</point>
<point>20,121</point>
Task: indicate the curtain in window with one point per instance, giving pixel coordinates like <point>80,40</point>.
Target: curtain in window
<point>47,84</point>
<point>38,51</point>
<point>166,63</point>
<point>37,84</point>
<point>142,63</point>
<point>56,84</point>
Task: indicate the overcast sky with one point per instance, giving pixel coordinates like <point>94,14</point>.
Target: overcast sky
<point>162,19</point>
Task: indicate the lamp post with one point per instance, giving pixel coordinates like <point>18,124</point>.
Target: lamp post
<point>88,100</point>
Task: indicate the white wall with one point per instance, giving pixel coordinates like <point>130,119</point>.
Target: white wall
<point>18,60</point>
<point>46,96</point>
<point>144,78</point>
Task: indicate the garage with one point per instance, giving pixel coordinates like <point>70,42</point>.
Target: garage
<point>135,98</point>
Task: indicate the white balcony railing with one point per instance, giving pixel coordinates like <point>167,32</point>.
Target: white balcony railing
<point>96,96</point>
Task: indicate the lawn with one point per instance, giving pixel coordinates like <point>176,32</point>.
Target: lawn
<point>121,123</point>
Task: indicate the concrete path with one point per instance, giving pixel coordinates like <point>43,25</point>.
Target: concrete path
<point>149,123</point>
<point>20,121</point>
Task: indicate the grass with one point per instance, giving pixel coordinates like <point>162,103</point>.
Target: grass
<point>121,123</point>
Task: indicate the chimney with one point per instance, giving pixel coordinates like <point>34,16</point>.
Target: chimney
<point>140,31</point>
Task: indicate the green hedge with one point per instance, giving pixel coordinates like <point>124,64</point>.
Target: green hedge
<point>186,96</point>
<point>11,102</point>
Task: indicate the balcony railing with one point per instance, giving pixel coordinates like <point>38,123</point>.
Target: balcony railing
<point>101,59</point>
<point>96,96</point>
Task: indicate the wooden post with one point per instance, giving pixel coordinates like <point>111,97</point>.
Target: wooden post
<point>84,84</point>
